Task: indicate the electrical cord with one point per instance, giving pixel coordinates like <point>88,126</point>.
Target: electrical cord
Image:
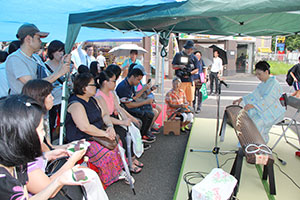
<point>225,162</point>
<point>287,175</point>
<point>187,177</point>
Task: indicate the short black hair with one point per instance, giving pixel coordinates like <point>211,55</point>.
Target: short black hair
<point>103,76</point>
<point>134,51</point>
<point>263,66</point>
<point>3,56</point>
<point>83,69</point>
<point>55,46</point>
<point>131,67</point>
<point>80,82</point>
<point>94,68</point>
<point>38,89</point>
<point>19,140</point>
<point>88,46</point>
<point>14,46</point>
<point>114,69</point>
<point>135,72</point>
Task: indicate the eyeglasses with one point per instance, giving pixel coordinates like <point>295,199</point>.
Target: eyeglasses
<point>113,81</point>
<point>92,84</point>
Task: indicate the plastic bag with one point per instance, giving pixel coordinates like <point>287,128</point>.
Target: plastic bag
<point>138,148</point>
<point>204,92</point>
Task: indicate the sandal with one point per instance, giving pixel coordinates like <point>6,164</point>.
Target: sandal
<point>138,163</point>
<point>136,170</point>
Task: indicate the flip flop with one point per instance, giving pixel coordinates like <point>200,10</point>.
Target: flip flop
<point>138,163</point>
<point>136,170</point>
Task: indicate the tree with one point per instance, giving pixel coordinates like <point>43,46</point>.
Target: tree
<point>291,43</point>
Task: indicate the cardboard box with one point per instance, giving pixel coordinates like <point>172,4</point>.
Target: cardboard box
<point>172,126</point>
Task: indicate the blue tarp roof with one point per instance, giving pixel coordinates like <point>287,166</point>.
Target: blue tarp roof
<point>52,16</point>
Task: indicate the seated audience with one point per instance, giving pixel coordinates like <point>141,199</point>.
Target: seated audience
<point>140,109</point>
<point>21,135</point>
<point>95,68</point>
<point>86,118</point>
<point>40,90</point>
<point>263,103</point>
<point>177,105</point>
<point>107,83</point>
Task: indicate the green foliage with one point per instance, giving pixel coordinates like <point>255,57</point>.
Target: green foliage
<point>279,67</point>
<point>292,42</point>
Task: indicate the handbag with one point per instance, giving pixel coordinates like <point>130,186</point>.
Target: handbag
<point>105,142</point>
<point>70,192</point>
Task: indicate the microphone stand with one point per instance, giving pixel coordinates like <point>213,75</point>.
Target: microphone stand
<point>216,148</point>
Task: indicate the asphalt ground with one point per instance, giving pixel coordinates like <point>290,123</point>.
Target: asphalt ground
<point>163,161</point>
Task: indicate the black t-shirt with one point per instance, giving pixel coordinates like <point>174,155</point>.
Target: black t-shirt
<point>189,61</point>
<point>296,71</point>
<point>10,187</point>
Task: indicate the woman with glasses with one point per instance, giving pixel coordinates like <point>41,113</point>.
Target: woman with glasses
<point>86,118</point>
<point>40,90</point>
<point>107,84</point>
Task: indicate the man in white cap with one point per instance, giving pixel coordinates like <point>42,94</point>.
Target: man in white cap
<point>24,65</point>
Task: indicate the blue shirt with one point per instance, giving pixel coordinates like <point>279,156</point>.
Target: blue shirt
<point>129,61</point>
<point>124,89</point>
<point>199,65</point>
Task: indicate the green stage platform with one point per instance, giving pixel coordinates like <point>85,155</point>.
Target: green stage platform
<point>202,137</point>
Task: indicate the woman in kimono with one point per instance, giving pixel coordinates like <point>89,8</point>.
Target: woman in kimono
<point>263,103</point>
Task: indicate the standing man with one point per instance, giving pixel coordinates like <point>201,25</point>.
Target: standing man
<point>184,64</point>
<point>215,72</point>
<point>22,65</point>
<point>86,56</point>
<point>199,78</point>
<point>129,61</point>
<point>102,61</point>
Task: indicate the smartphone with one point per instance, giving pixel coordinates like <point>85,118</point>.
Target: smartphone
<point>149,80</point>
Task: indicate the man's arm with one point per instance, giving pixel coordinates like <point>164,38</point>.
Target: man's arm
<point>139,104</point>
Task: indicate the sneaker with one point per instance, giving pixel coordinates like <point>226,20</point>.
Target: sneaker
<point>187,128</point>
<point>182,129</point>
<point>155,126</point>
<point>151,135</point>
<point>147,139</point>
<point>198,110</point>
<point>153,131</point>
<point>146,146</point>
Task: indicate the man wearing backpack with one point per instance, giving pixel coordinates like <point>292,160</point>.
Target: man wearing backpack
<point>293,78</point>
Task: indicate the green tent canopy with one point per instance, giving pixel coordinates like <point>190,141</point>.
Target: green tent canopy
<point>226,17</point>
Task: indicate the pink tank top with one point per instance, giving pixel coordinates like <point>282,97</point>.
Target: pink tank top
<point>109,100</point>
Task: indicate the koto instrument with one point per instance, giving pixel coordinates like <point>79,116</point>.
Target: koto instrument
<point>252,143</point>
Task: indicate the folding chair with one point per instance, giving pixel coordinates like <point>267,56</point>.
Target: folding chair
<point>288,122</point>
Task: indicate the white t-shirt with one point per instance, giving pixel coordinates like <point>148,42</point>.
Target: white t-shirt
<point>217,65</point>
<point>101,60</point>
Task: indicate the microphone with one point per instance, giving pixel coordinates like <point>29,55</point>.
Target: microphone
<point>222,82</point>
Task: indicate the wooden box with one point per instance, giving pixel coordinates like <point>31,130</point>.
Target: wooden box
<point>172,126</point>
